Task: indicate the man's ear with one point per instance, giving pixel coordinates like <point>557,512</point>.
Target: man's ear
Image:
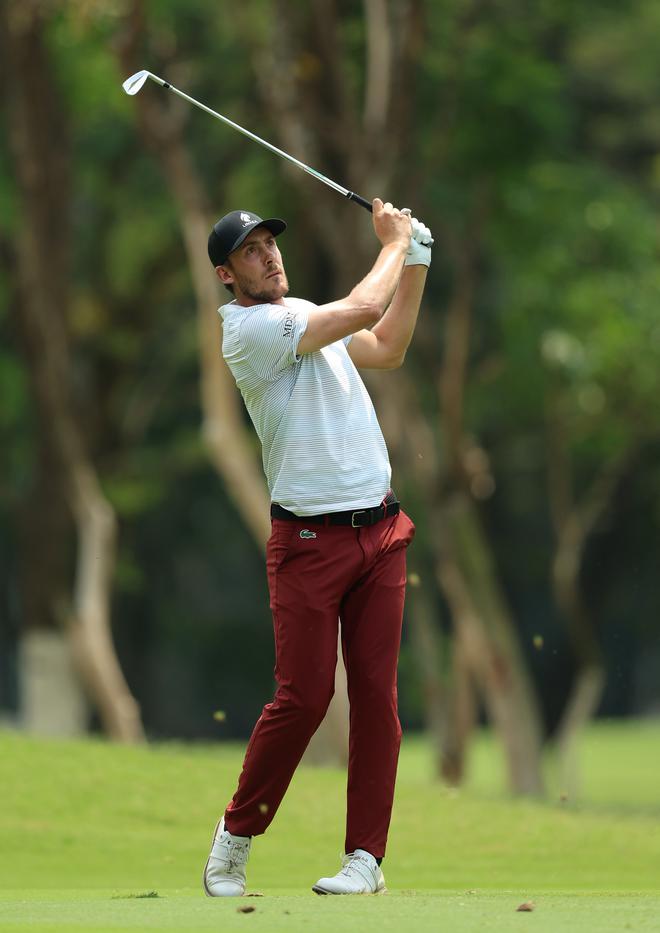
<point>225,275</point>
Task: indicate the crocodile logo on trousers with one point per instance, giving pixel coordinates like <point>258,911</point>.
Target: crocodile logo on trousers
<point>306,533</point>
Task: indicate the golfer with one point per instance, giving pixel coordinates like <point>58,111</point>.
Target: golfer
<point>336,554</point>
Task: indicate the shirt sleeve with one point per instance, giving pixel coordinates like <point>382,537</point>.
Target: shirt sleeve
<point>270,336</point>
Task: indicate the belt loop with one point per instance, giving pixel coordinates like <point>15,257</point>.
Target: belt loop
<point>383,509</point>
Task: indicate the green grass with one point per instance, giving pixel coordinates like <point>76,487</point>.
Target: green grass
<point>96,837</point>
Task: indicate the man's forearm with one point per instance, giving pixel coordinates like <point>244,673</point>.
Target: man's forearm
<point>362,308</point>
<point>379,285</point>
<point>396,327</point>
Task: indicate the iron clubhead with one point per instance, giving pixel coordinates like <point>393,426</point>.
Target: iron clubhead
<point>134,84</point>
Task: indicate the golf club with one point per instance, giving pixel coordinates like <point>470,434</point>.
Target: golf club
<point>135,83</point>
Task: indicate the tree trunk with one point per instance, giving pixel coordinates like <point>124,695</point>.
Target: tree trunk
<point>426,645</point>
<point>589,680</point>
<point>51,700</point>
<point>231,447</point>
<point>230,444</point>
<point>580,708</point>
<point>317,121</point>
<point>489,642</point>
<point>574,521</point>
<point>37,128</point>
<point>461,717</point>
<point>465,569</point>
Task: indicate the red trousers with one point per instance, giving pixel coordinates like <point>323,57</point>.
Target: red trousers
<point>319,575</point>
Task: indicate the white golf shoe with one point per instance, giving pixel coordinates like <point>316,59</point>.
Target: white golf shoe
<point>224,873</point>
<point>360,874</point>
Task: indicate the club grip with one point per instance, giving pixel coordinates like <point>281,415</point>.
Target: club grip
<point>352,196</point>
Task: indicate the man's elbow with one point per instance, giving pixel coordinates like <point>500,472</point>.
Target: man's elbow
<point>368,309</point>
<point>393,360</point>
<point>371,313</point>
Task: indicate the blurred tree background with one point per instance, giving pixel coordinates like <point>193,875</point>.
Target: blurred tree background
<point>524,427</point>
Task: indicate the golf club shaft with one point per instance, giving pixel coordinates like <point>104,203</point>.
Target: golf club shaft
<point>351,195</point>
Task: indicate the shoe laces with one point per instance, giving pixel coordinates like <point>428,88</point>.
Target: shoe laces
<point>352,862</point>
<point>237,852</point>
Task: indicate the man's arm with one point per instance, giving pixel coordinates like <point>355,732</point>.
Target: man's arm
<point>384,347</point>
<point>366,303</point>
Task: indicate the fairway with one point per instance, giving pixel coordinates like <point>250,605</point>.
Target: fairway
<point>400,911</point>
<point>98,837</point>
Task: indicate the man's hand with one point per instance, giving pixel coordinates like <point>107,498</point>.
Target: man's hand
<point>419,251</point>
<point>390,224</point>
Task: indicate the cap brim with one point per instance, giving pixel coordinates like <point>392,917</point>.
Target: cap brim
<point>274,224</point>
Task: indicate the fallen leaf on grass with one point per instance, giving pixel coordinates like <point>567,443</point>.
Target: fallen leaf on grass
<point>527,906</point>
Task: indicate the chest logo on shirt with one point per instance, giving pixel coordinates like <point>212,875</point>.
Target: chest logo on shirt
<point>306,533</point>
<point>288,325</point>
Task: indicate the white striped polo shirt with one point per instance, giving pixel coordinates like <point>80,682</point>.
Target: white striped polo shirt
<point>322,447</point>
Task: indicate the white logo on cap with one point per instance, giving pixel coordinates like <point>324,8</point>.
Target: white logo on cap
<point>246,219</point>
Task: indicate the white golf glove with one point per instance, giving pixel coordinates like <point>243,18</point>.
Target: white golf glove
<point>421,241</point>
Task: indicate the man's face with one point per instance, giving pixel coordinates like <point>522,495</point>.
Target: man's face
<point>255,270</point>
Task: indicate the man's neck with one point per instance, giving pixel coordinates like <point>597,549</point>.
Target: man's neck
<point>246,302</point>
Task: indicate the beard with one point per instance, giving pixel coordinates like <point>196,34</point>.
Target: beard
<point>262,292</point>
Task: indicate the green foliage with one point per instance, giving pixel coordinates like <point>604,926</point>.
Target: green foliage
<point>534,139</point>
<point>582,332</point>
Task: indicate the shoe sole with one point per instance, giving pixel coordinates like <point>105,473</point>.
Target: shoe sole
<point>215,833</point>
<point>319,890</point>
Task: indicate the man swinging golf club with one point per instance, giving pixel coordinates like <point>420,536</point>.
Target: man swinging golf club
<point>336,554</point>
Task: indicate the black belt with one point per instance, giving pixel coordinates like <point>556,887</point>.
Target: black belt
<point>360,518</point>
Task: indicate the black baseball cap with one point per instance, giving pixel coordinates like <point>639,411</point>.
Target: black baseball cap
<point>230,231</point>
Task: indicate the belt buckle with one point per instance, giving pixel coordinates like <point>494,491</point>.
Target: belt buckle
<point>359,512</point>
